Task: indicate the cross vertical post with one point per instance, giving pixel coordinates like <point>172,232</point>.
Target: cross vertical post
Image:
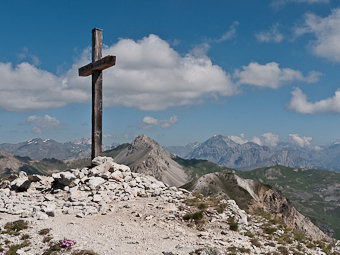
<point>97,94</point>
<point>96,70</point>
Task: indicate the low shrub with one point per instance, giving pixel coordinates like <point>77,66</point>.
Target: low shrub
<point>44,231</point>
<point>14,228</point>
<point>255,241</point>
<point>269,230</point>
<point>232,224</point>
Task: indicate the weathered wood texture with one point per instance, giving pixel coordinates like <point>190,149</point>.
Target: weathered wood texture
<point>95,69</point>
<point>97,94</point>
<point>99,65</point>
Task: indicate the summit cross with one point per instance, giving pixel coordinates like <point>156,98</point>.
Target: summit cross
<point>96,70</point>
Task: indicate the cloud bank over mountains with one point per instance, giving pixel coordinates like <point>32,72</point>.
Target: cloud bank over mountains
<point>149,75</point>
<point>272,140</point>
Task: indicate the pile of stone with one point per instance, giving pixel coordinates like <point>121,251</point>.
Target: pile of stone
<point>79,191</point>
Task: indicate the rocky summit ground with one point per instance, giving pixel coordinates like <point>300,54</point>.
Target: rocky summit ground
<point>107,209</point>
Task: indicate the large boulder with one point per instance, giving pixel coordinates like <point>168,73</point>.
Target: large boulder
<point>101,160</point>
<point>22,183</point>
<point>64,178</point>
<point>93,182</point>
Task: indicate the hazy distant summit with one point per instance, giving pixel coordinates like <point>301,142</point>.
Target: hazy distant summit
<point>246,155</point>
<point>38,149</point>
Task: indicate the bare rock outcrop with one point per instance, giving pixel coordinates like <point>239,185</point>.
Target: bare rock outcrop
<point>251,195</point>
<point>146,156</point>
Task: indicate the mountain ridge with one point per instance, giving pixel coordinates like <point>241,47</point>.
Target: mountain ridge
<point>247,155</point>
<point>315,193</point>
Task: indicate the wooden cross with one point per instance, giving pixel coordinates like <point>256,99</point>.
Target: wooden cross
<point>95,69</point>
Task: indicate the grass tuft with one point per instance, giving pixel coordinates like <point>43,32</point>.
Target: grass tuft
<point>14,228</point>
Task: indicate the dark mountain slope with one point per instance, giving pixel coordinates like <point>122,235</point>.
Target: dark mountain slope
<point>315,193</point>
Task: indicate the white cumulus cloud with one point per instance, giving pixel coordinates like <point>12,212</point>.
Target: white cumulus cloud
<point>149,75</point>
<point>256,140</point>
<point>149,122</point>
<point>327,33</point>
<point>271,75</point>
<point>266,139</point>
<point>299,103</point>
<point>152,76</point>
<point>238,139</point>
<point>27,88</point>
<point>270,139</point>
<point>42,123</point>
<point>272,35</point>
<point>300,141</point>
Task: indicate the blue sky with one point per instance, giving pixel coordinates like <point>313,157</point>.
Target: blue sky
<point>260,70</point>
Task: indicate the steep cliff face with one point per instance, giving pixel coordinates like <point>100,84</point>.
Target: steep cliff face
<point>251,195</point>
<point>146,156</point>
<point>314,193</point>
<point>275,202</point>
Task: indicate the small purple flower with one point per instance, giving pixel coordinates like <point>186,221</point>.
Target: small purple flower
<point>65,243</point>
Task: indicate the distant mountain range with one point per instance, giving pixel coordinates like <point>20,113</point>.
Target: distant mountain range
<point>223,150</point>
<point>38,149</point>
<point>229,152</point>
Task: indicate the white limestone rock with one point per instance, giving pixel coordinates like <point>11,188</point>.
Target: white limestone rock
<point>22,183</point>
<point>101,160</point>
<point>41,216</point>
<point>97,198</point>
<point>77,195</point>
<point>122,168</point>
<point>117,175</point>
<point>93,182</point>
<point>242,216</point>
<point>66,178</point>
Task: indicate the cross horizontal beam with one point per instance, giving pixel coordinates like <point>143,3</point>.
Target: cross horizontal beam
<point>99,65</point>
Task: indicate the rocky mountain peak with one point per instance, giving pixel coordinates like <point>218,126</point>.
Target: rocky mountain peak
<point>146,156</point>
<point>143,141</point>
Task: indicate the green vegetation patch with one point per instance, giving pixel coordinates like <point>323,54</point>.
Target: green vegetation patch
<point>232,224</point>
<point>198,167</point>
<point>14,228</point>
<point>269,230</point>
<point>197,216</point>
<point>307,190</point>
<point>13,248</point>
<point>44,231</point>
